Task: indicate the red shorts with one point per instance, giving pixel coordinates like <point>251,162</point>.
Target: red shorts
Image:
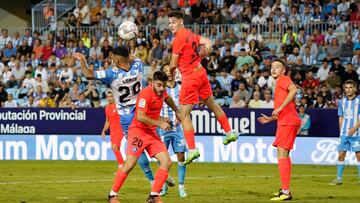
<point>140,140</point>
<point>193,86</point>
<point>285,136</point>
<point>115,138</point>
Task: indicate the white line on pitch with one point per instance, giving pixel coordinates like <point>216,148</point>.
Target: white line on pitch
<point>188,178</point>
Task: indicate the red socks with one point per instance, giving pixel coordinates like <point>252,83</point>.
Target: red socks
<point>285,172</point>
<point>160,178</point>
<point>223,120</point>
<point>119,180</point>
<point>118,156</point>
<point>190,139</point>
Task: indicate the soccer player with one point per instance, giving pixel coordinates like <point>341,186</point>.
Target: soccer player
<point>195,82</point>
<point>113,122</point>
<point>348,112</point>
<point>288,125</point>
<point>124,77</point>
<point>143,136</point>
<point>175,136</point>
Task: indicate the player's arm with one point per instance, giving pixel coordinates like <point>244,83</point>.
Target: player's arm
<point>341,119</point>
<point>170,102</point>
<point>266,119</point>
<point>292,92</point>
<point>173,63</point>
<point>105,128</point>
<point>206,42</point>
<point>88,73</point>
<point>161,122</point>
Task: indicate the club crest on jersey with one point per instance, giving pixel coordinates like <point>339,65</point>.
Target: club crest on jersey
<point>142,103</point>
<point>134,149</point>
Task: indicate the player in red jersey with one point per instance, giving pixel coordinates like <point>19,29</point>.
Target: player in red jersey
<point>195,82</point>
<point>288,125</point>
<point>142,136</point>
<point>113,122</point>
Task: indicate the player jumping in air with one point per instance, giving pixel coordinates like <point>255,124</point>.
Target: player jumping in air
<point>195,82</point>
<point>288,124</point>
<point>124,77</point>
<point>175,136</point>
<point>116,133</point>
<point>143,136</point>
<point>349,122</point>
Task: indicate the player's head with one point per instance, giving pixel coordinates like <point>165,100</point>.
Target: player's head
<point>120,56</point>
<point>350,88</point>
<point>176,21</point>
<point>159,82</point>
<point>166,69</point>
<point>278,68</point>
<point>109,97</point>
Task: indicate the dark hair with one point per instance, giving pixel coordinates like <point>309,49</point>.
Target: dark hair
<point>122,51</point>
<point>163,66</point>
<point>160,75</point>
<point>176,14</point>
<point>283,63</point>
<point>350,82</point>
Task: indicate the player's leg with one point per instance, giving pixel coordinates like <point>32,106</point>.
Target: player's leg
<point>117,153</point>
<point>167,139</point>
<point>357,153</point>
<point>343,147</point>
<point>121,176</point>
<point>222,119</point>
<point>143,160</point>
<point>181,173</point>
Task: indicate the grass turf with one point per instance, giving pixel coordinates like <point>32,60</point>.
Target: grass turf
<point>90,181</point>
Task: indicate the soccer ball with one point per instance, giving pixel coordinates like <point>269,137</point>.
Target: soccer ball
<point>128,30</point>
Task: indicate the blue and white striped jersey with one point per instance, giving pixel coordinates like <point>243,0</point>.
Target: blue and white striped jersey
<point>350,111</point>
<point>166,111</point>
<point>125,85</point>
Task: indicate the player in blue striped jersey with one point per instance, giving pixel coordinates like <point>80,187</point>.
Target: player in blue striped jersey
<point>349,123</point>
<point>175,137</point>
<point>124,77</point>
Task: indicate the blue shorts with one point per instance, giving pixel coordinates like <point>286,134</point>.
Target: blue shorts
<point>348,143</point>
<point>125,121</point>
<point>176,139</point>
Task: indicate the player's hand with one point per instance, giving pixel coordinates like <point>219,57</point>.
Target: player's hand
<point>178,118</point>
<point>264,119</point>
<point>103,135</point>
<point>165,124</point>
<point>351,131</point>
<point>276,112</point>
<point>80,57</point>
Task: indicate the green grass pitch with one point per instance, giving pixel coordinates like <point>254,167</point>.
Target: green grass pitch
<point>90,181</point>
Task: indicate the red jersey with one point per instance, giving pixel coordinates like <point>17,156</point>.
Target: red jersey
<point>186,44</point>
<point>150,103</point>
<point>289,115</point>
<point>114,120</point>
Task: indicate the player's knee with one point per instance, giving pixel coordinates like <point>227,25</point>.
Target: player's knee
<point>114,147</point>
<point>180,156</point>
<point>165,163</point>
<point>128,166</point>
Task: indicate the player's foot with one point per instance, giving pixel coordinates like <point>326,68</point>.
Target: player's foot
<point>282,197</point>
<point>182,192</point>
<point>164,190</point>
<point>277,193</point>
<point>336,182</point>
<point>232,137</point>
<point>170,181</point>
<point>113,199</point>
<point>154,199</point>
<point>192,156</point>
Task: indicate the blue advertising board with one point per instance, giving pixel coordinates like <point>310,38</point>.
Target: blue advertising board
<point>324,122</point>
<point>246,150</point>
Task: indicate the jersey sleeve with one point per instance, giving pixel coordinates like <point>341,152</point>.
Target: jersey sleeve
<point>144,101</point>
<point>138,65</point>
<point>178,44</point>
<point>284,82</point>
<point>340,110</point>
<point>106,76</point>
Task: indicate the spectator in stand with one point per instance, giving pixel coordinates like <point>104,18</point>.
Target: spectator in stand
<point>242,44</point>
<point>109,9</point>
<point>28,84</point>
<point>356,59</point>
<point>244,58</point>
<point>243,93</point>
<point>47,50</point>
<point>320,103</point>
<point>18,72</point>
<point>39,95</point>
<point>9,50</point>
<point>330,35</point>
<point>24,49</point>
<point>265,81</point>
<point>305,121</point>
<point>225,80</point>
<point>268,103</point>
<point>116,19</point>
<point>29,103</point>
<point>3,95</point>
<point>294,57</point>
<point>260,18</point>
<point>83,102</point>
<point>106,49</point>
<point>310,81</point>
<point>337,68</point>
<point>325,93</point>
<point>333,80</point>
<point>347,47</point>
<point>10,103</point>
<point>216,87</point>
<point>350,74</point>
<point>40,82</point>
<point>66,74</point>
<point>255,35</point>
<point>92,93</point>
<point>156,52</point>
<point>59,50</point>
<point>84,14</point>
<point>237,102</point>
<point>256,102</point>
<point>289,49</point>
<point>6,75</point>
<point>323,72</point>
<point>82,49</point>
<point>333,50</point>
<point>95,10</point>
